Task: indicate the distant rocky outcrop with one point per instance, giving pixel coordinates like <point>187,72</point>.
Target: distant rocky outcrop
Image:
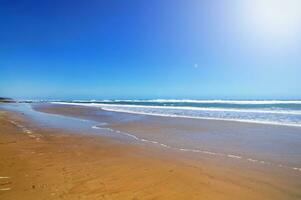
<point>6,100</point>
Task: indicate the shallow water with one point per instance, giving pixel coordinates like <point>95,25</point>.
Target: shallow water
<point>49,120</point>
<point>71,124</point>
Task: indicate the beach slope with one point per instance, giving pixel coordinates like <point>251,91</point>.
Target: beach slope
<point>44,163</point>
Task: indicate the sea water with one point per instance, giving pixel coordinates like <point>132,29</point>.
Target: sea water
<point>279,112</point>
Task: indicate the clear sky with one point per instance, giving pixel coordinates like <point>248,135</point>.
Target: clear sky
<point>100,49</point>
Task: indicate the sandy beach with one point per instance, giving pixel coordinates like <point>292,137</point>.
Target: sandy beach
<point>150,100</point>
<point>44,162</point>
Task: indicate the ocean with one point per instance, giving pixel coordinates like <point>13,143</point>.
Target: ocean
<point>277,112</point>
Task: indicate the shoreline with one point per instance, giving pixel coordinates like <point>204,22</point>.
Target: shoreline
<point>62,161</point>
<point>198,136</point>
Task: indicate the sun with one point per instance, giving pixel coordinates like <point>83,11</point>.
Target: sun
<point>273,19</point>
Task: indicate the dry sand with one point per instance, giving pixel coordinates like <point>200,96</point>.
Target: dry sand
<point>41,163</point>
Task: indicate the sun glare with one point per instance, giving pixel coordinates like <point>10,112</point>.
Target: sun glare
<point>274,19</point>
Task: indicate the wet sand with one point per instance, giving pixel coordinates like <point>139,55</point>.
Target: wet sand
<point>265,144</point>
<point>48,163</point>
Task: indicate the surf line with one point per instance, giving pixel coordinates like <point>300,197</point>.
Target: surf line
<point>24,129</point>
<point>4,189</point>
<point>230,156</point>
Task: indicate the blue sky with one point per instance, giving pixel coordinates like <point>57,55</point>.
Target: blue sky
<point>150,49</point>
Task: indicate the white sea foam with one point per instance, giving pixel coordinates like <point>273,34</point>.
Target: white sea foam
<point>216,113</point>
<point>96,127</point>
<point>24,129</point>
<point>182,149</point>
<point>296,168</point>
<point>210,118</point>
<point>164,145</point>
<point>4,189</point>
<point>252,160</point>
<point>120,106</point>
<point>218,101</point>
<point>211,153</point>
<point>233,156</point>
